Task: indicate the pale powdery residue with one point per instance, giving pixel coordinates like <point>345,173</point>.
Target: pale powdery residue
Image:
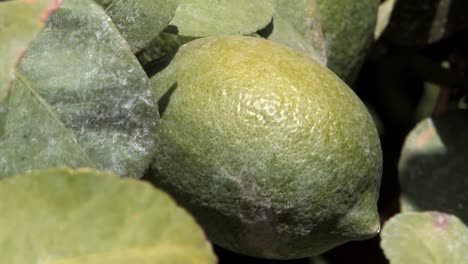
<point>129,104</point>
<point>51,148</point>
<point>259,219</point>
<point>248,189</point>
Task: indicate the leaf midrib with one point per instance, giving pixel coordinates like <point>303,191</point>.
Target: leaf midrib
<point>110,6</point>
<point>422,241</point>
<point>51,113</point>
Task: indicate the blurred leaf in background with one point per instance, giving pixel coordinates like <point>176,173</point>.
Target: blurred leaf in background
<point>425,238</point>
<point>433,166</point>
<point>83,216</point>
<point>420,22</point>
<point>383,17</point>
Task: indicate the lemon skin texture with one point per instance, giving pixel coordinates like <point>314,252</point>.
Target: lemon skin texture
<point>272,153</point>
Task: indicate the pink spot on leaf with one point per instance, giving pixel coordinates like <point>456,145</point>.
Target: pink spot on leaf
<point>440,220</point>
<point>424,137</point>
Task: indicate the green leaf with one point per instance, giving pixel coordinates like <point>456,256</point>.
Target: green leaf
<point>161,254</point>
<point>297,25</point>
<point>140,21</point>
<point>421,22</point>
<point>64,216</point>
<point>20,21</point>
<point>200,18</point>
<point>195,19</point>
<point>80,99</point>
<point>433,168</point>
<point>425,238</point>
<point>348,27</point>
<point>383,17</point>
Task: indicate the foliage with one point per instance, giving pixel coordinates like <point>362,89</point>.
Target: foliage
<point>83,216</point>
<point>429,237</point>
<point>17,33</point>
<point>80,96</point>
<point>82,107</point>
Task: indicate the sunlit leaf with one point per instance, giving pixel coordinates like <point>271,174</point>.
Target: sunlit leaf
<point>64,216</point>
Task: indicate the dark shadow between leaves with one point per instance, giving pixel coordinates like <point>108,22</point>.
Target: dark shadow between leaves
<point>171,29</point>
<point>424,25</point>
<point>403,16</point>
<point>163,102</point>
<point>457,19</point>
<point>266,31</point>
<point>160,64</point>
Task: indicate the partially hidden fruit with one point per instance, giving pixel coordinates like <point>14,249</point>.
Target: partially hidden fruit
<point>274,155</point>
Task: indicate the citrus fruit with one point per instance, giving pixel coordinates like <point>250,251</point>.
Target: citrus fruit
<point>273,154</point>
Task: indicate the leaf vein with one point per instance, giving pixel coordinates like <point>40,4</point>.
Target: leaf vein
<point>48,110</point>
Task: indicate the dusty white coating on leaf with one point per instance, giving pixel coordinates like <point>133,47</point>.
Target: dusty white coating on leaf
<point>86,106</point>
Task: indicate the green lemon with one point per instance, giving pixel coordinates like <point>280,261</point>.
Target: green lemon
<point>273,154</point>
